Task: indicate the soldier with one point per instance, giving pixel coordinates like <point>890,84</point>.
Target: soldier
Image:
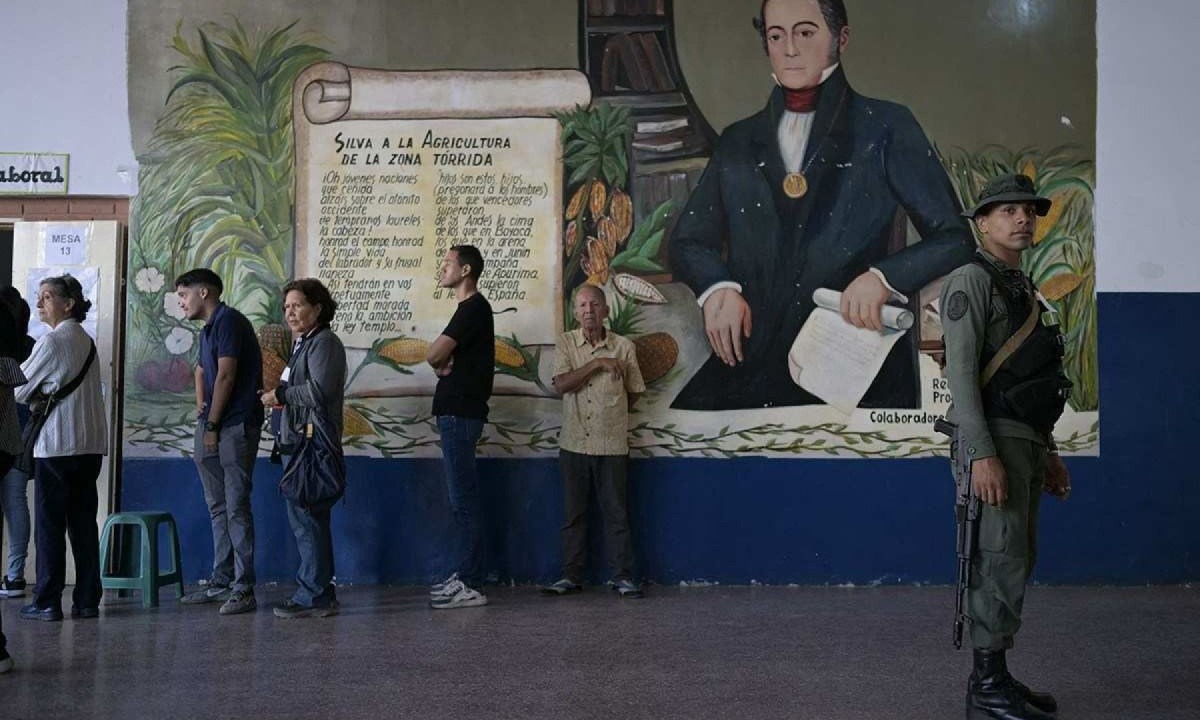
<point>1004,366</point>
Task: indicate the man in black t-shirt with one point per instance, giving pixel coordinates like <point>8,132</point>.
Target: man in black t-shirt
<point>463,357</point>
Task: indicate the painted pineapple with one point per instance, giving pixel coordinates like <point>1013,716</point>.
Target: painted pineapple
<point>657,353</point>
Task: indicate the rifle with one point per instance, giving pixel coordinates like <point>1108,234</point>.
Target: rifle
<point>966,517</point>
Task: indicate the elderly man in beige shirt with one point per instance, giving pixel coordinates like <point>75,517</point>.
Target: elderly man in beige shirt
<point>597,373</point>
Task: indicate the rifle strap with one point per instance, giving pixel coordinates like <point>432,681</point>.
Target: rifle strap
<point>1012,343</point>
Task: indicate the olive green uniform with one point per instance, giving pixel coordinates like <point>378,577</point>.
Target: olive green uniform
<point>975,318</point>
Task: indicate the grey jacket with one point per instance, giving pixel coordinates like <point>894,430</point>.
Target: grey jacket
<point>317,379</point>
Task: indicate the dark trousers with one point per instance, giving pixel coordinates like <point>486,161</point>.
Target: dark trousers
<point>1007,547</point>
<point>459,437</point>
<point>66,508</point>
<point>608,474</point>
<point>314,542</point>
<point>6,462</point>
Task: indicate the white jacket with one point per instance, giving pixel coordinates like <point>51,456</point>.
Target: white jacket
<point>77,426</point>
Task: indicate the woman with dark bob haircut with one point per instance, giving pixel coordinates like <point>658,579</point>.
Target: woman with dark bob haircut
<point>314,380</point>
<point>68,452</point>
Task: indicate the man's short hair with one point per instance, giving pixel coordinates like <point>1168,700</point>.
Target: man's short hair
<point>200,276</point>
<point>834,12</point>
<point>470,255</point>
<point>594,288</point>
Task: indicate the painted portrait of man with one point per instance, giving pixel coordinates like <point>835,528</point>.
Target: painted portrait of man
<point>816,190</point>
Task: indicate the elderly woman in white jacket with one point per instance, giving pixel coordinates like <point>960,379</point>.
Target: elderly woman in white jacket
<point>68,453</point>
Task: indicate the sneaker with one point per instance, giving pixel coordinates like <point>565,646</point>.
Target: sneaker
<point>206,594</point>
<point>462,597</point>
<point>6,662</point>
<point>290,610</point>
<point>439,589</point>
<point>45,614</point>
<point>240,601</point>
<point>561,587</point>
<point>12,587</point>
<point>84,613</point>
<point>626,589</point>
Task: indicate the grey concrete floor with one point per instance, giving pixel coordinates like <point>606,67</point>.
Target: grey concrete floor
<point>711,652</point>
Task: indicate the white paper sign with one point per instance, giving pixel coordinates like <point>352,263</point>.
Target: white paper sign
<point>34,173</point>
<point>89,279</point>
<point>66,243</point>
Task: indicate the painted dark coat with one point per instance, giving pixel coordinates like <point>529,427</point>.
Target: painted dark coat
<point>868,164</point>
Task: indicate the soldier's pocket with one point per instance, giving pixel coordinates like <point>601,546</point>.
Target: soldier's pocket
<point>994,532</point>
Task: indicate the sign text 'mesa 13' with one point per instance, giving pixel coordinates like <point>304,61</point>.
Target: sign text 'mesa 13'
<point>34,173</point>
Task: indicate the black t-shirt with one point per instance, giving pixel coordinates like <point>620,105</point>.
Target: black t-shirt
<point>465,391</point>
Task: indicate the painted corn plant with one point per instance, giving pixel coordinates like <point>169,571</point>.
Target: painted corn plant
<point>216,190</point>
<point>1062,261</point>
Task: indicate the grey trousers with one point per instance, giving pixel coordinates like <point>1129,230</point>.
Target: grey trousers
<point>608,473</point>
<point>226,476</point>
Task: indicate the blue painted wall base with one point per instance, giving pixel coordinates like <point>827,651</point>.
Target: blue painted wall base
<point>1130,520</point>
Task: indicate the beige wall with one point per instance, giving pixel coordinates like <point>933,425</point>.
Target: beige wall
<point>978,72</point>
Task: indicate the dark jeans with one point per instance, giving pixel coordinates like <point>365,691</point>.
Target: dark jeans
<point>314,541</point>
<point>459,437</point>
<point>227,477</point>
<point>65,506</point>
<point>6,462</point>
<point>608,474</point>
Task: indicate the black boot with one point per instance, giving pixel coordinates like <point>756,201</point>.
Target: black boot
<point>1040,700</point>
<point>992,693</point>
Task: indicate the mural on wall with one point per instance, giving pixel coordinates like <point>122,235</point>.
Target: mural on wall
<point>270,160</point>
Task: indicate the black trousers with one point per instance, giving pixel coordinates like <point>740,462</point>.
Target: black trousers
<point>608,474</point>
<point>66,508</point>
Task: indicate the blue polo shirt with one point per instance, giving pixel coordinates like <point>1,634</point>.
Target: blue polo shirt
<point>229,334</point>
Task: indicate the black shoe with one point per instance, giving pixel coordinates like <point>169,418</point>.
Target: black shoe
<point>992,693</point>
<point>45,614</point>
<point>1041,700</point>
<point>290,610</point>
<point>84,613</point>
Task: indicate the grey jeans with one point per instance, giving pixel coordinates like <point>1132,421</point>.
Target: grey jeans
<point>227,479</point>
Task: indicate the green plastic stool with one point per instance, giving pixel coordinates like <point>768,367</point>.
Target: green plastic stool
<point>143,558</point>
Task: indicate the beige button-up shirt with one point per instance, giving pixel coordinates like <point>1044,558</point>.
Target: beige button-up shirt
<point>596,416</point>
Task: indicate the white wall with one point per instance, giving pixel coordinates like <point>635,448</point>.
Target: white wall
<point>64,90</point>
<point>1148,147</point>
<point>63,85</point>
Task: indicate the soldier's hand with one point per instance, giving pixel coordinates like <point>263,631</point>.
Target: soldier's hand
<point>863,300</point>
<point>990,481</point>
<point>1057,481</point>
<point>726,322</point>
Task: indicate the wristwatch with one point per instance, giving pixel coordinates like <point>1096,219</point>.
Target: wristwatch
<point>211,426</point>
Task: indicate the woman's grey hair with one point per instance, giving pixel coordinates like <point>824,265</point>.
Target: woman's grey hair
<point>68,288</point>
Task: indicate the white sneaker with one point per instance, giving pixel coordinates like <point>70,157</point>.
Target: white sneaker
<point>439,589</point>
<point>463,597</point>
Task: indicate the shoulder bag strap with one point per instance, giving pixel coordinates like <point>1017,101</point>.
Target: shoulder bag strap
<point>69,388</point>
<point>1012,343</point>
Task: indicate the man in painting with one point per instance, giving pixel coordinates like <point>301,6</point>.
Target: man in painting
<point>811,192</point>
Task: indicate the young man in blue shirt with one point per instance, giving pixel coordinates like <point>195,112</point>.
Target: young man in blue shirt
<point>229,420</point>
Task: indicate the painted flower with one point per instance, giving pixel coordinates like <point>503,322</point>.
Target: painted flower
<point>179,341</point>
<point>171,306</point>
<point>149,280</point>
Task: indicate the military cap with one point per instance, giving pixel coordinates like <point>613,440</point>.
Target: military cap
<point>1008,188</point>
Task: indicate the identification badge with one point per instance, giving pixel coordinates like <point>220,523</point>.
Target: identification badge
<point>285,375</point>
